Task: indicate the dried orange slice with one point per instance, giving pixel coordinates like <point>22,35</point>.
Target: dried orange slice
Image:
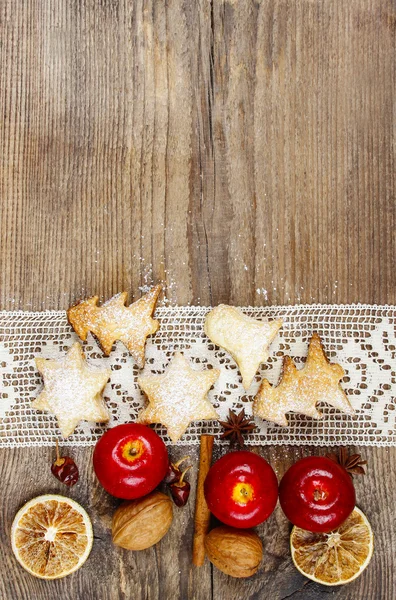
<point>337,557</point>
<point>51,536</point>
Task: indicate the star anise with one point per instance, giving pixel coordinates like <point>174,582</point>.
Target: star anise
<point>236,425</point>
<point>352,463</point>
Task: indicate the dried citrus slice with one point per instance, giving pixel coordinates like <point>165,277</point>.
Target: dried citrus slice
<point>337,557</point>
<point>51,536</point>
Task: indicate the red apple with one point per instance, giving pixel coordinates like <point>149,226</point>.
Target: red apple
<point>317,494</point>
<point>241,489</point>
<point>130,460</point>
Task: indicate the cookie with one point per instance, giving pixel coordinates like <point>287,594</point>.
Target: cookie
<point>114,321</point>
<point>246,339</point>
<point>301,390</point>
<point>178,396</point>
<point>72,390</point>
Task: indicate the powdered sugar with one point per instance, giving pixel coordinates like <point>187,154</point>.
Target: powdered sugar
<point>72,391</point>
<point>300,391</point>
<point>263,292</point>
<point>114,321</point>
<point>178,396</point>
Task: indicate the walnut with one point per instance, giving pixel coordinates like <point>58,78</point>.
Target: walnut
<point>141,523</point>
<point>235,552</point>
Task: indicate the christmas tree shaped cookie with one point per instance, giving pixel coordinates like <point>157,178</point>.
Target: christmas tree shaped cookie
<point>114,321</point>
<point>301,390</point>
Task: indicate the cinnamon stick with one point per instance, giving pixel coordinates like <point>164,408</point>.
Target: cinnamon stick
<point>202,513</point>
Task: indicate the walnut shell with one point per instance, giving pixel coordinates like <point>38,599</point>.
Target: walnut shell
<point>141,523</point>
<point>235,552</point>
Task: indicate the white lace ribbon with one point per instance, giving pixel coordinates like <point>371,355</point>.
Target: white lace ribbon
<point>361,338</point>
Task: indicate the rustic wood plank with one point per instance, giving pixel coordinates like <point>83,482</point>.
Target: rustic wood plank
<point>239,151</point>
<point>304,150</point>
<point>277,151</point>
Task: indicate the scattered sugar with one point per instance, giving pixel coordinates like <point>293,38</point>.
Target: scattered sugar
<point>263,291</point>
<point>145,288</point>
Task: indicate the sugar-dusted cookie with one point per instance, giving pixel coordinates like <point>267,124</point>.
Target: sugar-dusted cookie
<point>178,396</point>
<point>301,390</point>
<point>72,390</point>
<point>246,339</point>
<point>114,321</point>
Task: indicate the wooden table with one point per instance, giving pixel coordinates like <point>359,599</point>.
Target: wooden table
<point>239,151</point>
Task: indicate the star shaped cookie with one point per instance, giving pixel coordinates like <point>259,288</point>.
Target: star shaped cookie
<point>114,321</point>
<point>301,390</point>
<point>178,396</point>
<point>246,339</point>
<point>72,390</point>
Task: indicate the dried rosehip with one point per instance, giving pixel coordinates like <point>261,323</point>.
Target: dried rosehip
<point>65,469</point>
<point>180,490</point>
<point>173,473</point>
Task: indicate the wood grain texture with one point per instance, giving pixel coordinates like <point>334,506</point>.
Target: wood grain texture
<point>238,151</point>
